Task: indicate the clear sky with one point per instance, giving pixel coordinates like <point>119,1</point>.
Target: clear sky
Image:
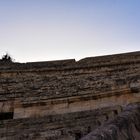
<point>41,30</point>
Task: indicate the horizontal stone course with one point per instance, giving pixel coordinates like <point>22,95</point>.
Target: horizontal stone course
<point>99,61</point>
<point>68,123</point>
<point>65,99</point>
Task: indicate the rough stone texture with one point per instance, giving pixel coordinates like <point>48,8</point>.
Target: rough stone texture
<point>65,91</point>
<point>125,126</point>
<point>70,125</point>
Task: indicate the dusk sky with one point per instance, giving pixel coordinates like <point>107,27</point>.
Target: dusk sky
<point>42,30</point>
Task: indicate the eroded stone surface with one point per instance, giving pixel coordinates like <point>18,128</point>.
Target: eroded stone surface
<point>123,127</point>
<point>64,126</point>
<point>32,93</point>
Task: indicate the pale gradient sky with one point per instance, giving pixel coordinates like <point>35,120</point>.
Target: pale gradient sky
<point>41,30</point>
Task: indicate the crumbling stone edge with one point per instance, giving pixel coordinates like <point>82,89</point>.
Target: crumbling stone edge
<point>126,126</point>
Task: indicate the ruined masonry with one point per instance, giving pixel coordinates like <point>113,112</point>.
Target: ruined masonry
<point>96,98</point>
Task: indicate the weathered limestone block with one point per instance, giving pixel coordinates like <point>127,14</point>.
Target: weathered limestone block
<point>135,88</point>
<point>7,106</point>
<point>68,125</point>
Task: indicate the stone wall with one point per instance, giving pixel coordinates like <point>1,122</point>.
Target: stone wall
<point>32,93</point>
<point>68,126</point>
<point>45,88</point>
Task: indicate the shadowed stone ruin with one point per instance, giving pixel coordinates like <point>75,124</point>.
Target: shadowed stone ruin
<point>126,126</point>
<point>96,98</point>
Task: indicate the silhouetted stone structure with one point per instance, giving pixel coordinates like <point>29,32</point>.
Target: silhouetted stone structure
<point>69,100</point>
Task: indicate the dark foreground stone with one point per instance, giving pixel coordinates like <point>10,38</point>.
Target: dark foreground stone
<point>125,126</point>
